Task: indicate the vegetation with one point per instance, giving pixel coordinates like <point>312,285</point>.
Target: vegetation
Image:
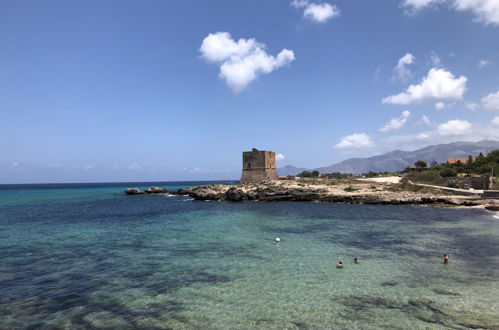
<point>336,175</point>
<point>429,177</point>
<point>350,189</point>
<point>308,174</point>
<point>420,164</point>
<point>447,172</point>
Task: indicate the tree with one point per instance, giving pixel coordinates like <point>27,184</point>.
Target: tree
<point>308,174</point>
<point>420,164</point>
<point>448,172</point>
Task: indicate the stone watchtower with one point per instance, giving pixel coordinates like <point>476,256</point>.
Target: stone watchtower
<point>258,165</point>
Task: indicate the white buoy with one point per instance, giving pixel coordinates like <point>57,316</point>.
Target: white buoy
<point>277,239</point>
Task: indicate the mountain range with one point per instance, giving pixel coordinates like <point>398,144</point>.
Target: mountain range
<point>397,160</point>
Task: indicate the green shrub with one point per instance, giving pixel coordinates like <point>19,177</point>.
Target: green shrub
<point>429,177</point>
<point>350,189</point>
<point>447,172</point>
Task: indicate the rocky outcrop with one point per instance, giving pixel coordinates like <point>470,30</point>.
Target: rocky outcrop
<point>309,194</point>
<point>151,190</point>
<point>277,191</point>
<point>214,192</point>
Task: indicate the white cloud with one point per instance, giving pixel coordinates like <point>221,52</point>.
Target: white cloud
<point>321,12</point>
<point>483,63</point>
<point>440,105</point>
<point>318,12</point>
<point>15,164</point>
<point>356,140</point>
<point>438,84</point>
<point>423,136</point>
<point>396,123</point>
<point>495,121</point>
<point>402,73</point>
<point>299,3</point>
<point>89,167</point>
<point>243,61</point>
<point>412,6</point>
<point>472,106</point>
<point>486,11</point>
<point>454,127</point>
<point>491,101</point>
<point>426,120</point>
<point>279,157</point>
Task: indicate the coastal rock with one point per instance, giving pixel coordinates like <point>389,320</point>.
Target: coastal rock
<point>235,194</point>
<point>157,190</point>
<point>353,192</point>
<point>215,192</point>
<point>133,191</point>
<point>151,190</point>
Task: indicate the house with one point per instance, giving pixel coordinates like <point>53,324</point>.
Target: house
<point>461,160</point>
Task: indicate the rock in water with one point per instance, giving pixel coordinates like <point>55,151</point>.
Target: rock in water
<point>277,239</point>
<point>133,191</point>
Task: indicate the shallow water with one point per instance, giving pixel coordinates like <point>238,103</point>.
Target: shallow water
<point>90,257</point>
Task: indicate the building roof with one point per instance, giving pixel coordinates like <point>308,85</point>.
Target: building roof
<point>462,160</point>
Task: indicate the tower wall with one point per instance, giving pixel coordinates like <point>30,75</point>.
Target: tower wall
<point>258,165</point>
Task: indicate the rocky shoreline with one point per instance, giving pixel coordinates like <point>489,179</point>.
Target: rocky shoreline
<point>337,192</point>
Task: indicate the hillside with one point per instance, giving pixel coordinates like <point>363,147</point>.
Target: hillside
<point>397,160</point>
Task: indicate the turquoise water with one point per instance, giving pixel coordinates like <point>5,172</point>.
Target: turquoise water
<point>91,257</point>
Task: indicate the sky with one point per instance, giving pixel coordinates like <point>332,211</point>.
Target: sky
<point>100,91</point>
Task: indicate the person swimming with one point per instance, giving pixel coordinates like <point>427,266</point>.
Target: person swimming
<point>339,265</point>
<point>356,260</point>
<point>446,259</point>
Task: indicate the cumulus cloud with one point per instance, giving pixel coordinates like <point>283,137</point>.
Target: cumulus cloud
<point>402,73</point>
<point>440,105</point>
<point>438,84</point>
<point>495,121</point>
<point>279,157</point>
<point>396,123</point>
<point>242,61</point>
<point>485,11</point>
<point>454,127</point>
<point>491,101</point>
<point>317,12</point>
<point>483,63</point>
<point>472,106</point>
<point>356,140</point>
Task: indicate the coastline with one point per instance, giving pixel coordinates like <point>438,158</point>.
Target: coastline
<point>335,191</point>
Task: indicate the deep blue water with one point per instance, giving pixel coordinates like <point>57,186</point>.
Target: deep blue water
<point>87,256</point>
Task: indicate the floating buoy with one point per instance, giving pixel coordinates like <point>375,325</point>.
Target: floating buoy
<point>277,239</point>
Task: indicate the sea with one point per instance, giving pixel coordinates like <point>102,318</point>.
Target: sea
<point>86,256</point>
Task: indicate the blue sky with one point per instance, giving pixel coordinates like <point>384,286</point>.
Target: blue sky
<point>164,90</point>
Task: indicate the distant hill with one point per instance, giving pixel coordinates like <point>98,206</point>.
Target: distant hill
<point>290,170</point>
<point>397,160</point>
